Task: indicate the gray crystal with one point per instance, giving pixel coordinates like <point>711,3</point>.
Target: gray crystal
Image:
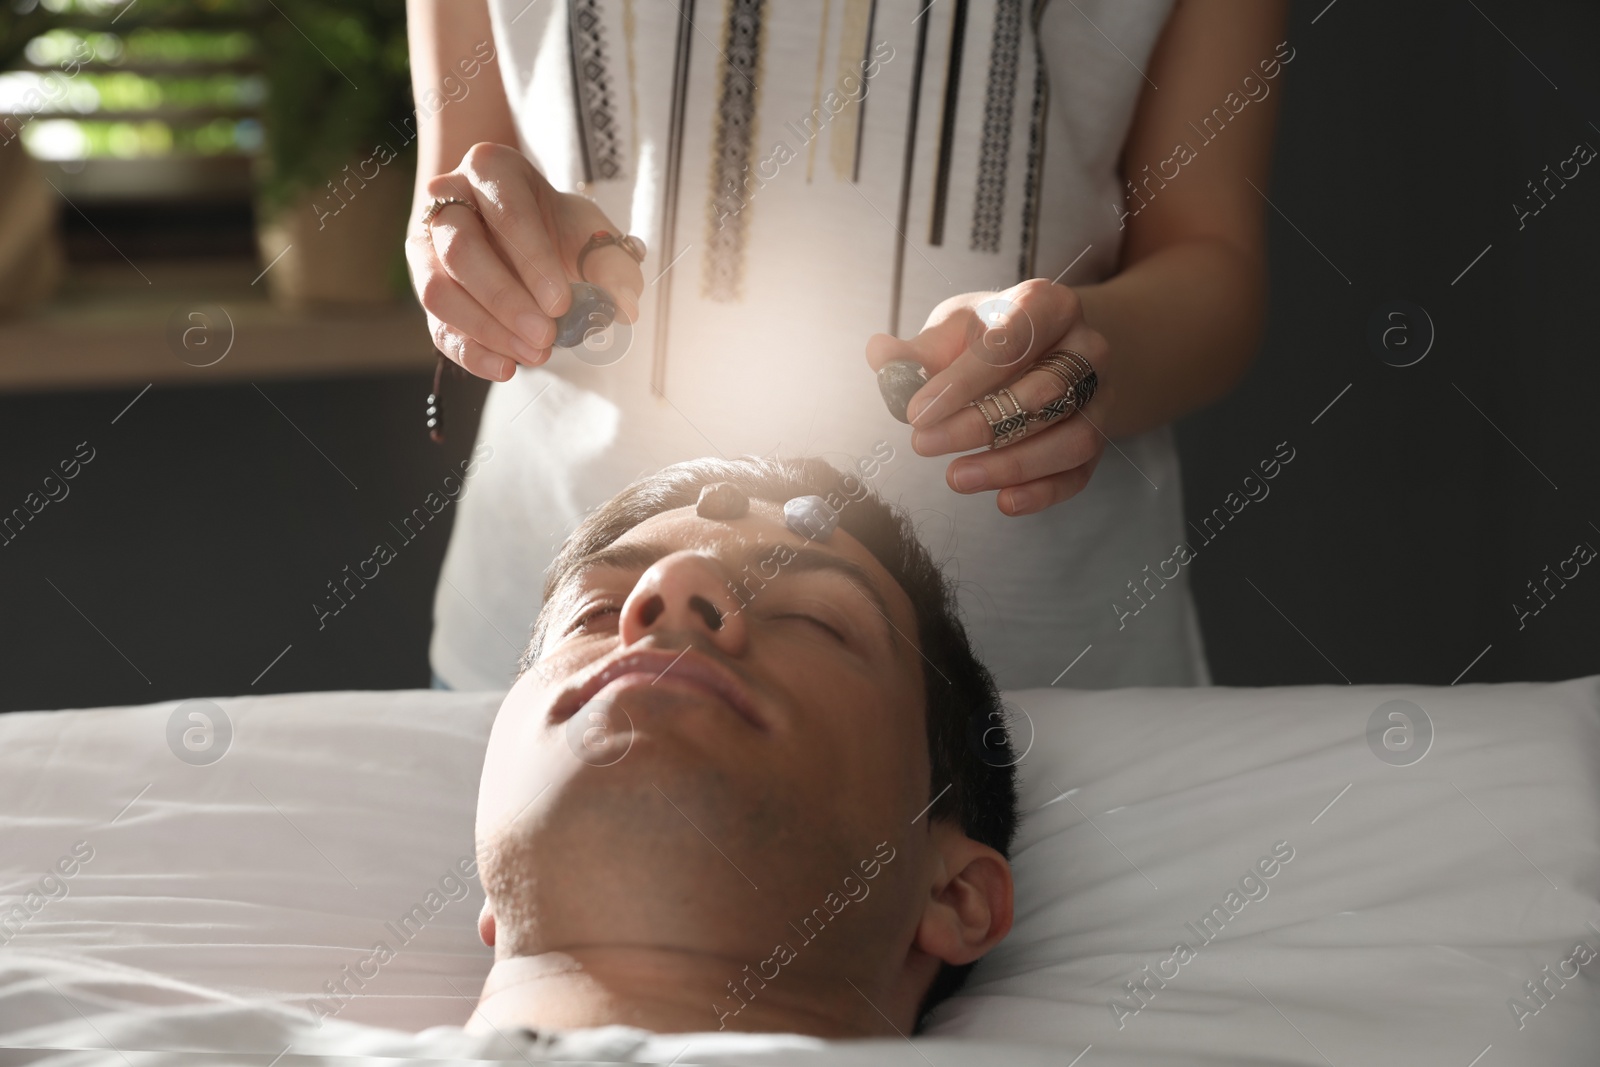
<point>810,517</point>
<point>592,309</point>
<point>899,381</point>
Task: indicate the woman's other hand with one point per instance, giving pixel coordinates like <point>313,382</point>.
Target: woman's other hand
<point>494,277</point>
<point>974,344</point>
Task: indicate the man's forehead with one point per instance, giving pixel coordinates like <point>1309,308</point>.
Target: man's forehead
<point>763,525</point>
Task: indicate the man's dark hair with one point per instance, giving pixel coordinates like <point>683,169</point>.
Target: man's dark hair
<point>967,752</point>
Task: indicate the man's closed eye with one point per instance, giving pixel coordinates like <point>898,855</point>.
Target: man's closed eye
<point>816,622</point>
<point>583,621</point>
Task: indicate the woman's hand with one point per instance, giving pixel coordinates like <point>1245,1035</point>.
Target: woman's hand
<point>493,281</point>
<point>974,344</point>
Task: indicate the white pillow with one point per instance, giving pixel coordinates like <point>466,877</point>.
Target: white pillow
<point>1423,891</point>
<point>1417,901</point>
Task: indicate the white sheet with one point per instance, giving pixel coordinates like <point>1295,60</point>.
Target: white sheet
<point>125,1028</point>
<point>1418,901</point>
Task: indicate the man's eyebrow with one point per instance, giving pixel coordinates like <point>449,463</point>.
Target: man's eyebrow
<point>633,556</point>
<point>641,555</point>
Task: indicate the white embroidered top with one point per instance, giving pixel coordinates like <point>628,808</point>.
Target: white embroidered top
<point>806,175</point>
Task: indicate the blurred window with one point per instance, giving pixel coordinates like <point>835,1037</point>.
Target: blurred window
<point>147,116</point>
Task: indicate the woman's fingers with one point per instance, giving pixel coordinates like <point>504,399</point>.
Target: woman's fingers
<point>939,343</point>
<point>1052,462</point>
<point>455,317</point>
<point>508,191</point>
<point>495,279</point>
<point>1060,448</point>
<point>978,342</point>
<point>612,269</point>
<point>461,246</point>
<point>472,355</point>
<point>965,428</point>
<point>1041,493</point>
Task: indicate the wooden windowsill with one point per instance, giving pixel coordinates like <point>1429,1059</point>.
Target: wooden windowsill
<point>109,327</point>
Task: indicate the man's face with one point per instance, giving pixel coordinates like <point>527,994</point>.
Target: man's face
<point>746,749</point>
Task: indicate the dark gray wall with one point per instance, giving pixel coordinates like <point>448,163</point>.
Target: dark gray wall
<point>188,552</point>
<point>1421,504</point>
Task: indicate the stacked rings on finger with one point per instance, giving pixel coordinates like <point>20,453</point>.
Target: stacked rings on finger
<point>1079,378</point>
<point>1008,427</point>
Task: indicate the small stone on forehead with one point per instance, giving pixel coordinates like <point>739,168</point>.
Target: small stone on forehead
<point>810,517</point>
<point>721,500</point>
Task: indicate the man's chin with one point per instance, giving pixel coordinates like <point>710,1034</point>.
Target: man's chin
<point>638,838</point>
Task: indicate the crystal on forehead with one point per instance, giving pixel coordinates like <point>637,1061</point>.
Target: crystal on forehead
<point>721,500</point>
<point>810,517</point>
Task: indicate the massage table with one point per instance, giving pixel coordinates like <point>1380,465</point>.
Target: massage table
<point>1433,895</point>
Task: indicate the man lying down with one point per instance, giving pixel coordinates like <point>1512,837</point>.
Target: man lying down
<point>743,780</point>
<point>747,781</point>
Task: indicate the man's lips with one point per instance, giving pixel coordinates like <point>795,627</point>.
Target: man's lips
<point>687,667</point>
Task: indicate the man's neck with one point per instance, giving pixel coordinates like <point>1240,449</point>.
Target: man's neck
<point>668,991</point>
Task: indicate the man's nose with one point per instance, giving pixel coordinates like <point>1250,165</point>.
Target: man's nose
<point>685,592</point>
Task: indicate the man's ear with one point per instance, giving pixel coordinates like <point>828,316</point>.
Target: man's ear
<point>486,924</point>
<point>969,907</point>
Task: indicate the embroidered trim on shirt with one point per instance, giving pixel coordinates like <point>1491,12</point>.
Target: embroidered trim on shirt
<point>728,204</point>
<point>591,75</point>
<point>630,33</point>
<point>994,154</point>
<point>1030,189</point>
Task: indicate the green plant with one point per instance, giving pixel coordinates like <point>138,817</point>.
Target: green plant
<point>338,83</point>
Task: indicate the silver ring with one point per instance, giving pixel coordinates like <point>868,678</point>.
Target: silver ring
<point>442,202</point>
<point>1078,376</point>
<point>1008,428</point>
<point>630,244</point>
<point>1069,379</point>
